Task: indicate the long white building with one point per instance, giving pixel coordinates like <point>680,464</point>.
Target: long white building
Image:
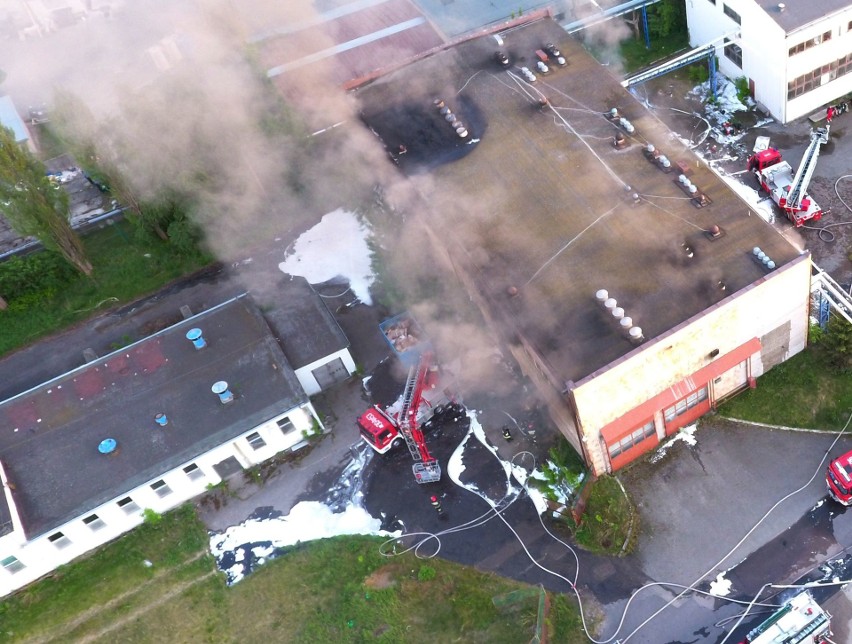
<point>796,55</point>
<point>83,455</point>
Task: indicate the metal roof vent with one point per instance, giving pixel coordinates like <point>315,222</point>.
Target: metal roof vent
<point>195,336</point>
<point>221,389</point>
<point>618,313</point>
<point>610,304</point>
<point>625,323</point>
<point>161,419</point>
<point>635,334</point>
<point>602,296</point>
<point>108,446</point>
<point>781,7</point>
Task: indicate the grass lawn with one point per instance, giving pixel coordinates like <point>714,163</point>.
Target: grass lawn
<point>802,392</point>
<point>608,519</point>
<point>125,268</point>
<point>635,56</point>
<point>325,591</point>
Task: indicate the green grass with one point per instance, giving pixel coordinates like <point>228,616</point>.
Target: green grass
<point>635,56</point>
<point>125,267</point>
<point>607,519</point>
<point>804,392</point>
<point>335,590</point>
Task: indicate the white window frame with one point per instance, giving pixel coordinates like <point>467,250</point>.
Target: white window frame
<point>128,505</point>
<point>94,522</point>
<point>255,441</point>
<point>194,472</point>
<point>286,425</point>
<point>161,488</point>
<point>59,540</point>
<point>12,564</point>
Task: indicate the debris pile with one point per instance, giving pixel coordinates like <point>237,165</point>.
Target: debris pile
<point>403,334</point>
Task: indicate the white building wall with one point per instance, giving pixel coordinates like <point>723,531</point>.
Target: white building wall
<point>766,61</point>
<point>783,297</point>
<point>40,556</point>
<point>306,378</point>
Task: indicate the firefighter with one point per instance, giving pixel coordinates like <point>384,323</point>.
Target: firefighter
<point>829,114</point>
<point>507,434</point>
<point>437,505</point>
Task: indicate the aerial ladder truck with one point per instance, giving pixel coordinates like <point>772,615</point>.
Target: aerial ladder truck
<point>787,190</point>
<point>421,401</point>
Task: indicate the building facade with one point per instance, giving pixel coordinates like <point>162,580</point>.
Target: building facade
<point>797,56</point>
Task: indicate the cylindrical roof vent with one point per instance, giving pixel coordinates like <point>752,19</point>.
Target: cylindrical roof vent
<point>610,304</point>
<point>601,295</point>
<point>635,334</point>
<point>107,446</point>
<point>618,313</point>
<point>221,389</point>
<point>664,161</point>
<point>161,419</point>
<point>682,178</point>
<point>195,336</point>
<point>625,323</point>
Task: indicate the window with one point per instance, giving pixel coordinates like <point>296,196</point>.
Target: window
<point>59,540</point>
<point>12,565</point>
<point>94,522</point>
<point>255,440</point>
<point>193,472</point>
<point>733,15</point>
<point>128,505</point>
<point>286,425</point>
<point>161,488</point>
<point>683,406</point>
<point>817,77</point>
<point>631,440</point>
<point>712,1</point>
<point>811,42</point>
<point>734,53</point>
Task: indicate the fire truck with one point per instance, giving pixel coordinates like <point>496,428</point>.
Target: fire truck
<point>799,620</point>
<point>422,403</point>
<point>838,477</point>
<point>790,191</point>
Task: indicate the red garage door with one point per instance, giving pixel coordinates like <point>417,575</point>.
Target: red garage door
<point>686,410</point>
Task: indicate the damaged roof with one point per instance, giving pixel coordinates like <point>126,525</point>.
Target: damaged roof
<point>539,202</point>
<point>49,435</point>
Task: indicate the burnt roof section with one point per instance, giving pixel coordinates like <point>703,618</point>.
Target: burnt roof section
<point>303,324</point>
<point>540,202</point>
<point>800,13</point>
<point>49,436</point>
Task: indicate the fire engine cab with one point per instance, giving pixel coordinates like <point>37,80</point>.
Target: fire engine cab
<point>800,620</point>
<point>839,479</point>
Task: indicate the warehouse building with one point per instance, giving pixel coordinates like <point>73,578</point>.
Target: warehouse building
<point>148,426</point>
<point>796,55</point>
<point>630,283</point>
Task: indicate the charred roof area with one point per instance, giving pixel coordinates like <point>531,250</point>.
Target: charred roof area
<point>80,440</point>
<point>561,197</point>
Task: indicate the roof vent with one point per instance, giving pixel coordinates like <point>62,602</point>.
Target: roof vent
<point>610,304</point>
<point>618,313</point>
<point>602,296</point>
<point>221,389</point>
<point>625,323</point>
<point>636,336</point>
<point>161,420</point>
<point>194,336</point>
<point>781,7</point>
<point>107,446</point>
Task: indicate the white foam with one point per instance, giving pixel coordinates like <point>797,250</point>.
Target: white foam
<point>721,587</point>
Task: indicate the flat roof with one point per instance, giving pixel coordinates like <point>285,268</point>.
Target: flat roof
<point>303,324</point>
<point>537,199</point>
<point>800,13</point>
<point>49,436</point>
<point>10,118</point>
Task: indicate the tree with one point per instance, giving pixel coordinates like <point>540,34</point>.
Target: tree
<point>666,17</point>
<point>35,206</point>
<point>837,342</point>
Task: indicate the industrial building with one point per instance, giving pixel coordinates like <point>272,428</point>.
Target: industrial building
<point>631,284</point>
<point>148,426</point>
<point>796,55</point>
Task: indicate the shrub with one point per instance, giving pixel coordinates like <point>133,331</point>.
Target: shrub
<point>743,91</point>
<point>41,274</point>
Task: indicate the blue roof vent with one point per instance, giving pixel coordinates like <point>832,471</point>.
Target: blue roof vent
<point>107,446</point>
<point>194,335</point>
<point>161,419</point>
<point>221,389</point>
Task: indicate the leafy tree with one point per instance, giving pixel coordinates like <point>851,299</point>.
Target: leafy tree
<point>35,206</point>
<point>666,17</point>
<point>837,342</point>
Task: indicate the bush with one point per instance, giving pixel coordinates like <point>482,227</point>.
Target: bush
<point>698,73</point>
<point>36,275</point>
<point>743,92</point>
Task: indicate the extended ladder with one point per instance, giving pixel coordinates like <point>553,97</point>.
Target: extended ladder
<point>426,468</point>
<point>403,421</point>
<point>802,180</point>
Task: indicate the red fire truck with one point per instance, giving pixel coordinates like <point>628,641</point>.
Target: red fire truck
<point>839,479</point>
<point>422,402</point>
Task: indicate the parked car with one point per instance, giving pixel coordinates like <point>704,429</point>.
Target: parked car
<point>502,58</point>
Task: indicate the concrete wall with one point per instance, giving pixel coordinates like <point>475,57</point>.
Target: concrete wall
<point>766,61</point>
<point>40,555</point>
<point>780,299</point>
<point>309,382</point>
